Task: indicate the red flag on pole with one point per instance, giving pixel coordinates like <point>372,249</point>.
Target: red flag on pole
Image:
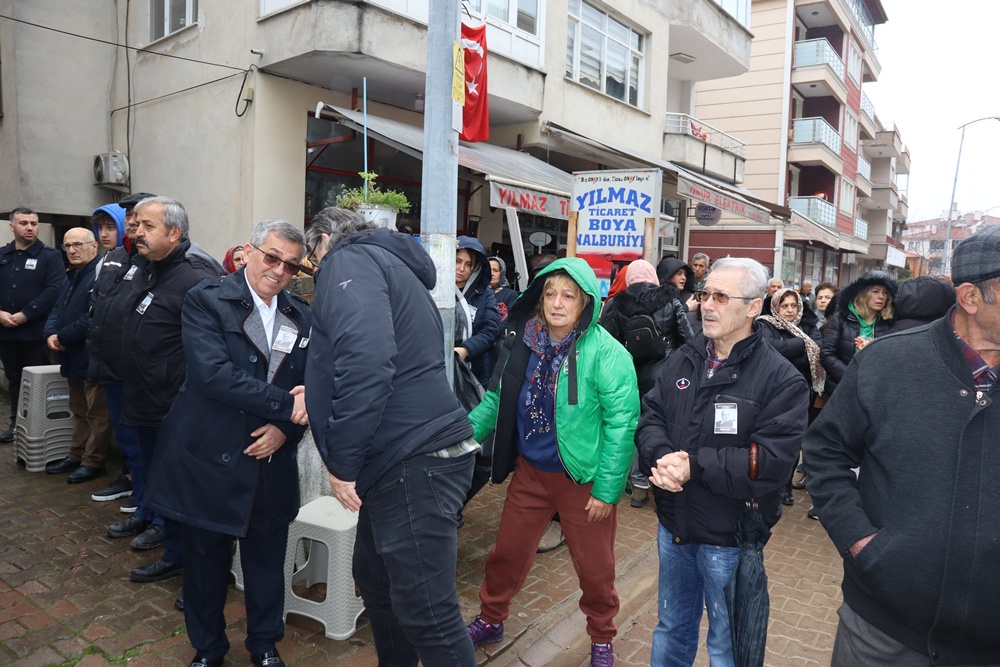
<point>475,116</point>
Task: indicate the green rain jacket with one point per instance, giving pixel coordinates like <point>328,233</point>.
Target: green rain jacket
<point>597,396</point>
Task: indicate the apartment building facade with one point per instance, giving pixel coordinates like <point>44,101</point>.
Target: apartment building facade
<point>925,240</point>
<point>813,143</point>
<point>215,105</point>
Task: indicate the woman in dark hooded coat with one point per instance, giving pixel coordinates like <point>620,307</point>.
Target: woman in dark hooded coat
<point>661,302</point>
<point>864,312</point>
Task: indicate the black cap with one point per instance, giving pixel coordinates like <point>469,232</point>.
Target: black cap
<point>133,199</point>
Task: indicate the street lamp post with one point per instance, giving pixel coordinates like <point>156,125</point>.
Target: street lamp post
<point>946,252</point>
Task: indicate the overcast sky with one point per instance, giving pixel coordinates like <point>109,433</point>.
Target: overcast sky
<point>939,71</point>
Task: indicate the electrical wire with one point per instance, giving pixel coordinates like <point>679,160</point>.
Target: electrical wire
<point>125,46</point>
<point>176,92</point>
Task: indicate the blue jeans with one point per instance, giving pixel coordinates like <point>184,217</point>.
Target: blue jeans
<point>128,440</point>
<point>405,557</point>
<point>692,577</point>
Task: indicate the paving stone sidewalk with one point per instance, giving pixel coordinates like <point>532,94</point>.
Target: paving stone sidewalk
<point>65,597</point>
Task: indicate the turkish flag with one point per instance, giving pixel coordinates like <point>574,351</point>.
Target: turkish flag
<point>475,116</point>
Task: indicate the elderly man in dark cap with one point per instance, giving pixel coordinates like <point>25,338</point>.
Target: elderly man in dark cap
<point>918,413</point>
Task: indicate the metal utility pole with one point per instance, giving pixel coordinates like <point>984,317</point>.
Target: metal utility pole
<point>438,201</point>
<point>946,251</point>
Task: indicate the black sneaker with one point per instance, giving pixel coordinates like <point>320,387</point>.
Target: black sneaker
<point>119,488</point>
<point>128,506</point>
<point>8,435</point>
<point>128,527</point>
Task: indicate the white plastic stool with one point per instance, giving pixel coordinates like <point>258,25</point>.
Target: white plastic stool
<point>330,530</point>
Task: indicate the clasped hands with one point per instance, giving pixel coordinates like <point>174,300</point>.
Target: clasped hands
<point>269,437</point>
<point>672,472</point>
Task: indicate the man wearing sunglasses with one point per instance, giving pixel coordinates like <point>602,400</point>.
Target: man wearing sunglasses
<point>227,468</point>
<point>168,266</point>
<point>716,395</point>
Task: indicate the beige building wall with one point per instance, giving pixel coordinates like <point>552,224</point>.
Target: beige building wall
<point>754,106</point>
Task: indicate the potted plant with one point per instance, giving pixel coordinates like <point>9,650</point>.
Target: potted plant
<point>374,203</point>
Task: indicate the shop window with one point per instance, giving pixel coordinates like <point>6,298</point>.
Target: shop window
<point>603,53</point>
<point>335,155</point>
<point>167,16</point>
<point>791,265</point>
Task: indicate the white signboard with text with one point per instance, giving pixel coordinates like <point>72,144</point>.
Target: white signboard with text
<point>612,208</point>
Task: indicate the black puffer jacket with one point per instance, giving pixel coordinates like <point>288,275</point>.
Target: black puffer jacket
<point>661,302</point>
<point>680,413</point>
<point>837,348</point>
<point>921,301</point>
<point>665,270</point>
<point>108,306</point>
<point>154,351</point>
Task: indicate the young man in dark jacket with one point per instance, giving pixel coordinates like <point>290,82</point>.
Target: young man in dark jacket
<point>716,396</point>
<point>66,334</point>
<point>472,277</point>
<point>154,349</point>
<point>917,414</point>
<point>394,438</point>
<point>31,277</point>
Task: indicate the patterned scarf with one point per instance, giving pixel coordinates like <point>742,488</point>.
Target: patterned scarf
<point>816,369</point>
<point>541,402</point>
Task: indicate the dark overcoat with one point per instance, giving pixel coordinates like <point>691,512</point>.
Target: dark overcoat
<point>200,475</point>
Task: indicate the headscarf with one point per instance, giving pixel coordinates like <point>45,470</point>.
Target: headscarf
<point>618,284</point>
<point>503,275</point>
<point>227,263</point>
<point>541,401</point>
<point>641,271</point>
<point>816,370</point>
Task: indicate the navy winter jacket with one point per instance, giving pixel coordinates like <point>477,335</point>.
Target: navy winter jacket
<point>485,318</point>
<point>30,282</point>
<point>69,318</point>
<point>109,304</point>
<point>376,388</point>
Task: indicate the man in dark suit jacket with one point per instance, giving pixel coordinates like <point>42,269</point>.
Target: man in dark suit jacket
<point>225,466</point>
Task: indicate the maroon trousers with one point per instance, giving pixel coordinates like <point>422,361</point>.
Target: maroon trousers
<point>533,497</point>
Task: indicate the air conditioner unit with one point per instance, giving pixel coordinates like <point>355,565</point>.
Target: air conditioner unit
<point>850,258</point>
<point>111,168</point>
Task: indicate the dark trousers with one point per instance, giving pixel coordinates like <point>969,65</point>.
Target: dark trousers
<point>128,440</point>
<point>172,541</point>
<point>405,558</point>
<point>91,424</point>
<point>262,557</point>
<point>16,355</point>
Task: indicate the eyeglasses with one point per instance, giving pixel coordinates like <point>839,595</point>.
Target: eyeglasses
<point>291,268</point>
<point>720,298</point>
<point>76,246</point>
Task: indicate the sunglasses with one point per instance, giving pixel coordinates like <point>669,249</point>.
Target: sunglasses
<point>721,298</point>
<point>291,268</point>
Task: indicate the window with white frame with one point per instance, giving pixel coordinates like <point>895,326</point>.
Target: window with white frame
<point>167,16</point>
<point>522,14</point>
<point>603,53</point>
<point>854,64</point>
<point>847,197</point>
<point>850,130</point>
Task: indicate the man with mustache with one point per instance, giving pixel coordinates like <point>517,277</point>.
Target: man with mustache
<point>154,366</point>
<point>31,277</point>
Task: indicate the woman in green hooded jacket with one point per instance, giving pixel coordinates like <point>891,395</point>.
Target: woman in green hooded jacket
<point>564,403</point>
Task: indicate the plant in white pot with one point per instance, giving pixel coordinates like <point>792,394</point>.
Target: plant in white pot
<point>374,203</point>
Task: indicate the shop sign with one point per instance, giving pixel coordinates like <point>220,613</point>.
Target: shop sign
<point>707,215</point>
<point>612,208</point>
<point>529,201</point>
<point>718,199</point>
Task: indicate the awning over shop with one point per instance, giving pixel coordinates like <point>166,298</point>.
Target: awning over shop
<point>517,180</point>
<point>802,228</point>
<point>726,196</point>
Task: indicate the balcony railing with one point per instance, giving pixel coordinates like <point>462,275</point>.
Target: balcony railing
<point>864,168</point>
<point>818,52</point>
<point>815,130</point>
<point>738,9</point>
<point>860,228</point>
<point>885,183</point>
<point>816,209</point>
<point>867,24</point>
<point>869,109</point>
<point>681,123</point>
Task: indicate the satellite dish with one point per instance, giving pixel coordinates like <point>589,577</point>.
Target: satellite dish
<point>539,239</point>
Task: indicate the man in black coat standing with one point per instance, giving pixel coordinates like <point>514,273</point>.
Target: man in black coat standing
<point>31,277</point>
<point>225,466</point>
<point>154,359</point>
<point>66,334</point>
<point>394,437</point>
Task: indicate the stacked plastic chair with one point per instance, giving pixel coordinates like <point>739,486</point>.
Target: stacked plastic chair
<point>43,430</point>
